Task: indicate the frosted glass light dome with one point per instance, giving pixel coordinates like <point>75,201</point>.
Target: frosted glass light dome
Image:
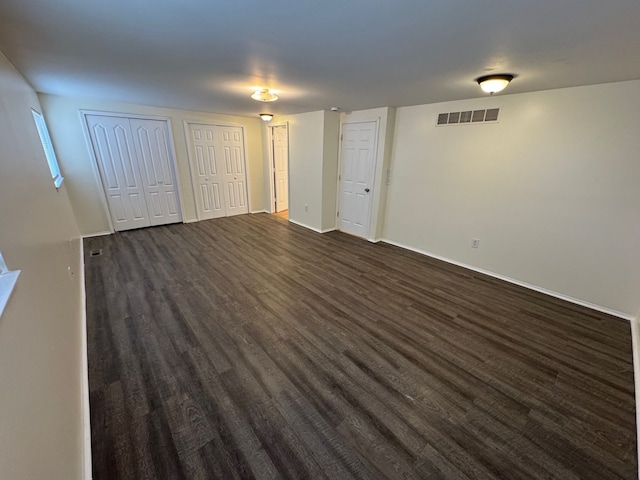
<point>264,95</point>
<point>494,83</point>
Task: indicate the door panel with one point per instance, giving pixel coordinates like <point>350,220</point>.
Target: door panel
<point>281,167</point>
<point>231,145</point>
<point>136,167</point>
<point>217,160</point>
<point>356,176</point>
<point>156,163</point>
<point>204,171</point>
<point>118,166</point>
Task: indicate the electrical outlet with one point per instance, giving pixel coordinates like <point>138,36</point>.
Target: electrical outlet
<point>475,243</point>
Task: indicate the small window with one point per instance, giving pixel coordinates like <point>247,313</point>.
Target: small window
<point>48,148</point>
<point>8,279</point>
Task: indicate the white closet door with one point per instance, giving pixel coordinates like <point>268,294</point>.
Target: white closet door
<point>281,167</point>
<point>357,167</point>
<point>118,165</point>
<point>231,145</point>
<point>207,182</point>
<point>216,155</point>
<point>151,139</point>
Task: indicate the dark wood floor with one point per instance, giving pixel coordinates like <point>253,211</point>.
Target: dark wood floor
<point>248,347</point>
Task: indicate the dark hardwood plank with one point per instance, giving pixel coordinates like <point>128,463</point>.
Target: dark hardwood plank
<point>248,347</point>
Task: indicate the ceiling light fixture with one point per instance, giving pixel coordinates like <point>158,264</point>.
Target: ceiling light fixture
<point>264,95</point>
<point>494,83</point>
<point>267,117</point>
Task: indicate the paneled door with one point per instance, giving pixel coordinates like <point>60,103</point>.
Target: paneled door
<point>137,170</point>
<point>207,183</point>
<point>357,157</point>
<point>118,164</point>
<point>231,144</point>
<point>218,173</point>
<point>280,167</point>
<point>151,139</point>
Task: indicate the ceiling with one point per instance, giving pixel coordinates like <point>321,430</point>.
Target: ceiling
<point>208,55</point>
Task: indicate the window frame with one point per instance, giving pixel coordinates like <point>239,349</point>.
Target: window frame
<point>47,146</point>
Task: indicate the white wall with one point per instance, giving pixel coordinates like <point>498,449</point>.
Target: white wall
<point>305,168</point>
<point>313,168</point>
<point>330,151</point>
<point>550,190</point>
<point>41,430</point>
<point>85,190</point>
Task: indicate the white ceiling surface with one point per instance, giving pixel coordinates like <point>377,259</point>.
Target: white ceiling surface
<point>355,54</point>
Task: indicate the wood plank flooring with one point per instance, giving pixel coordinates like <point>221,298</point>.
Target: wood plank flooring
<point>248,347</point>
<point>283,214</point>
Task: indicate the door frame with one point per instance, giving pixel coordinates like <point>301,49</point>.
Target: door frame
<point>272,168</point>
<point>187,136</point>
<point>373,187</point>
<point>94,164</point>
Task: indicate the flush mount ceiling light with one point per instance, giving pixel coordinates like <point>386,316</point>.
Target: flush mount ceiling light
<point>267,117</point>
<point>264,95</point>
<point>494,83</point>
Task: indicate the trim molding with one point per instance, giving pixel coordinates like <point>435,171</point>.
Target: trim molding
<point>86,414</point>
<point>635,348</point>
<point>258,211</point>
<point>317,230</point>
<point>561,296</point>
<point>96,234</point>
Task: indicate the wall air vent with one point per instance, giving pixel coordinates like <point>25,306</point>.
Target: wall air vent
<point>468,117</point>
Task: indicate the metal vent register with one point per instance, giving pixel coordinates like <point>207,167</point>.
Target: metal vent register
<point>468,117</point>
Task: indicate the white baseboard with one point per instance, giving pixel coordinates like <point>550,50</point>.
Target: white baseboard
<point>317,230</point>
<point>86,413</point>
<point>96,234</point>
<point>190,220</point>
<point>635,347</point>
<point>259,211</point>
<point>561,296</point>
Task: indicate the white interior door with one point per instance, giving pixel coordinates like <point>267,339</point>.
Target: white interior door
<point>151,139</point>
<point>207,182</point>
<point>280,167</point>
<point>119,170</point>
<point>218,171</point>
<point>358,153</point>
<point>231,144</point>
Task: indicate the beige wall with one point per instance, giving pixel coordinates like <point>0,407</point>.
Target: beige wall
<point>550,190</point>
<point>41,355</point>
<point>305,168</point>
<point>85,190</point>
<point>330,151</point>
<point>313,168</point>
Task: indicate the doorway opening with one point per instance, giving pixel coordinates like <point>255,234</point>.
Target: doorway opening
<point>283,214</point>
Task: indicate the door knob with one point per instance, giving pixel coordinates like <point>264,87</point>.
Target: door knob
<point>366,190</point>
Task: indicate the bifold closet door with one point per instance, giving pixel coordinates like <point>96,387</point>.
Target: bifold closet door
<point>231,144</point>
<point>118,165</point>
<point>218,171</point>
<point>151,139</point>
<point>136,168</point>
